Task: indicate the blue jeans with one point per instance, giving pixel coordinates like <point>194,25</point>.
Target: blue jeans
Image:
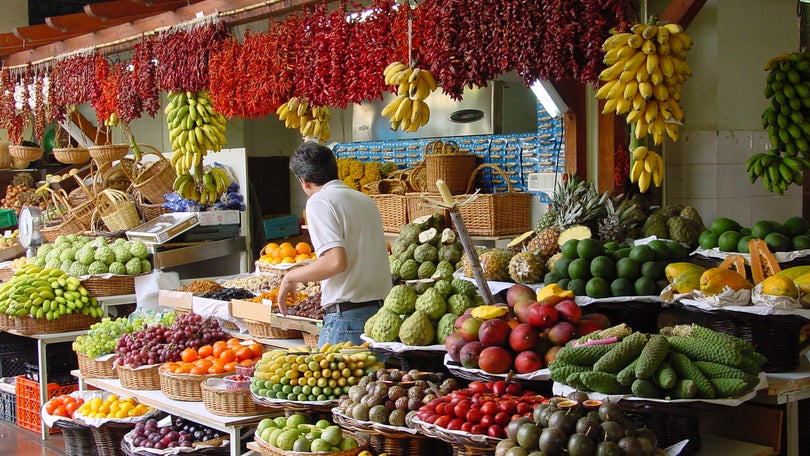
<point>345,326</point>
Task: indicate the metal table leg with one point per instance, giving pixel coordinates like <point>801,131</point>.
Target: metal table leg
<point>42,360</point>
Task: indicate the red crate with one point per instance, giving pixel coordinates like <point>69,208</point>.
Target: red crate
<point>28,403</point>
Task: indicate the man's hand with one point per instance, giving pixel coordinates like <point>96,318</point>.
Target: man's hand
<point>286,290</point>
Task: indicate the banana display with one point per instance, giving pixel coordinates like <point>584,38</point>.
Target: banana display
<point>787,120</point>
<point>648,167</point>
<point>408,110</point>
<point>112,121</point>
<point>646,67</point>
<point>46,293</point>
<point>213,183</point>
<point>776,170</point>
<point>194,129</point>
<point>309,120</point>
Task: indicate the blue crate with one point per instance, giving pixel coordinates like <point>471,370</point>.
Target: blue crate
<point>279,227</point>
<point>8,406</point>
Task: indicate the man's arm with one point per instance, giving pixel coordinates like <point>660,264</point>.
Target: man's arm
<point>329,264</point>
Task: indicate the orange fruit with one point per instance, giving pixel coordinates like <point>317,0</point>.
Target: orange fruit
<point>205,351</point>
<point>60,411</point>
<point>198,370</point>
<point>256,349</point>
<point>303,248</point>
<point>227,355</point>
<point>188,355</point>
<point>50,406</point>
<point>288,251</point>
<point>231,366</point>
<point>301,257</point>
<point>268,249</point>
<point>244,353</point>
<point>288,260</point>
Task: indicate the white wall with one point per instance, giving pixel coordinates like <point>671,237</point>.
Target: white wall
<point>723,101</point>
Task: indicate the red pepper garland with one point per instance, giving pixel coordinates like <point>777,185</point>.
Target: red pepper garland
<point>144,76</point>
<point>128,102</point>
<point>313,63</point>
<point>104,103</point>
<point>7,111</point>
<point>369,50</point>
<point>281,62</point>
<point>74,81</point>
<point>226,79</point>
<point>182,56</point>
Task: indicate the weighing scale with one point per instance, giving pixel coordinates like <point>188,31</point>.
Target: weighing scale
<point>30,226</point>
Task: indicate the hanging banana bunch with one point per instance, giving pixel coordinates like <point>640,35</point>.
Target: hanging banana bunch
<point>194,129</point>
<point>648,168</point>
<point>646,67</point>
<point>213,183</point>
<point>408,110</point>
<point>787,120</point>
<point>310,120</point>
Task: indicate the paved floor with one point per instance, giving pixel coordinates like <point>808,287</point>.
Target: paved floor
<point>17,441</point>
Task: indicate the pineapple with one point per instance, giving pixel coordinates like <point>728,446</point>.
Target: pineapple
<point>545,243</point>
<point>619,220</point>
<point>547,220</point>
<point>495,264</point>
<point>526,267</point>
<point>578,203</point>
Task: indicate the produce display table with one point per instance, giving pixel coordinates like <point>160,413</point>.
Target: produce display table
<point>42,360</point>
<point>273,343</point>
<point>113,301</point>
<point>789,388</point>
<point>194,411</point>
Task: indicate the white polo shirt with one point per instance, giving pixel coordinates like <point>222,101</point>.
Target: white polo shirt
<point>339,216</point>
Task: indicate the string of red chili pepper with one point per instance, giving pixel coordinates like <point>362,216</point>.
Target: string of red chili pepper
<point>40,109</point>
<point>338,31</point>
<point>73,80</point>
<point>283,61</point>
<point>439,48</point>
<point>370,49</point>
<point>27,81</point>
<point>313,62</point>
<point>104,102</point>
<point>225,77</point>
<point>182,56</point>
<point>144,75</point>
<point>56,111</point>
<point>128,103</point>
<point>7,110</point>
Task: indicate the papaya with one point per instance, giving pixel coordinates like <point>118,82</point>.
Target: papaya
<point>489,312</point>
<point>776,285</point>
<point>763,263</point>
<point>673,270</point>
<point>794,272</point>
<point>688,280</point>
<point>714,280</point>
<point>803,284</point>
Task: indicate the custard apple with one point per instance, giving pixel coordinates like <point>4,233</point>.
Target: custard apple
<point>133,266</point>
<point>417,330</point>
<point>409,269</point>
<point>464,287</point>
<point>105,255</point>
<point>425,252</point>
<point>444,287</point>
<point>85,255</point>
<point>138,249</point>
<point>445,327</point>
<point>385,327</point>
<point>426,270</point>
<point>401,300</point>
<point>121,252</point>
<point>68,254</point>
<point>444,270</point>
<point>458,303</point>
<point>146,266</point>
<point>432,304</point>
<point>97,267</point>
<point>117,268</point>
<point>451,252</point>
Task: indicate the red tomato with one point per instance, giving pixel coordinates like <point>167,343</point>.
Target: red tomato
<point>442,421</point>
<point>466,426</point>
<point>478,387</point>
<point>495,431</point>
<point>486,421</point>
<point>507,406</point>
<point>461,409</point>
<point>489,408</point>
<point>502,419</point>
<point>474,416</point>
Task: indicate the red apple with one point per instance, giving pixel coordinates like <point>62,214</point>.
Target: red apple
<point>495,360</point>
<point>523,337</point>
<point>542,315</point>
<point>520,292</point>
<point>528,361</point>
<point>569,310</point>
<point>561,333</point>
<point>494,332</point>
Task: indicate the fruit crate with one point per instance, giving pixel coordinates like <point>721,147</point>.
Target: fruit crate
<point>58,376</point>
<point>8,405</point>
<point>7,218</point>
<point>61,360</point>
<point>28,403</point>
<point>13,343</point>
<point>12,364</point>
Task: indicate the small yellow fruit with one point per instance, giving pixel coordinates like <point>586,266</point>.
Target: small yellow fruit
<point>780,286</point>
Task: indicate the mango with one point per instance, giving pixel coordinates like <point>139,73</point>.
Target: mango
<point>673,270</point>
<point>688,280</point>
<point>780,286</point>
<point>794,272</point>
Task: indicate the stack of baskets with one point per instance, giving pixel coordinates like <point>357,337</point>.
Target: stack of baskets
<point>264,330</point>
<point>107,153</point>
<point>228,402</point>
<point>117,210</point>
<point>74,218</point>
<point>184,387</point>
<point>140,378</point>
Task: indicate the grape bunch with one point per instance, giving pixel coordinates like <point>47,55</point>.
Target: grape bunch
<point>102,337</point>
<point>159,344</point>
<point>142,319</point>
<point>181,433</point>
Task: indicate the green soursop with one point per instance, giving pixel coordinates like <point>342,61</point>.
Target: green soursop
<point>146,266</point>
<point>465,287</point>
<point>97,267</point>
<point>445,327</point>
<point>133,266</point>
<point>444,270</point>
<point>431,303</point>
<point>385,327</point>
<point>655,225</point>
<point>66,266</point>
<point>426,270</point>
<point>409,234</point>
<point>117,268</point>
<point>85,255</point>
<point>451,252</point>
<point>77,269</point>
<point>68,254</point>
<point>409,269</point>
<point>458,303</point>
<point>138,249</point>
<point>681,230</point>
<point>444,287</point>
<point>393,265</point>
<point>122,254</point>
<point>105,254</point>
<point>417,330</point>
<point>401,300</point>
<point>408,253</point>
<point>426,252</point>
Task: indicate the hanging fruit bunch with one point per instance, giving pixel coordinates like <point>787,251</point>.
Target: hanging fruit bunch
<point>310,120</point>
<point>408,110</point>
<point>646,67</point>
<point>787,120</point>
<point>194,129</point>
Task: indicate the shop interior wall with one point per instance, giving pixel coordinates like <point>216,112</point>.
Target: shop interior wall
<point>723,101</point>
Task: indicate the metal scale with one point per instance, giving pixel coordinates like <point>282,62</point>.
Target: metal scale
<point>30,224</point>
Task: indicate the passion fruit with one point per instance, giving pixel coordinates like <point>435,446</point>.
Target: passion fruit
<point>580,445</point>
<point>578,396</point>
<point>612,431</point>
<point>608,448</point>
<point>591,404</point>
<point>562,420</point>
<point>630,446</point>
<point>589,426</point>
<point>513,426</point>
<point>610,411</point>
<point>552,440</point>
<point>528,435</point>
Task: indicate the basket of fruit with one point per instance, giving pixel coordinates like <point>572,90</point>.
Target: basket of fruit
<point>220,400</point>
<point>28,324</point>
<point>101,367</point>
<point>96,349</point>
<point>139,378</point>
<point>298,437</point>
<point>108,152</point>
<point>184,387</point>
<point>110,418</point>
<point>58,412</point>
<point>147,438</point>
<point>6,322</point>
<point>389,439</point>
<point>109,285</point>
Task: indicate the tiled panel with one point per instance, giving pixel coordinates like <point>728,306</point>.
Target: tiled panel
<point>733,147</point>
<point>699,148</point>
<point>732,181</point>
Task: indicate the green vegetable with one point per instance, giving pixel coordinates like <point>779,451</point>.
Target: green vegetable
<point>622,354</point>
<point>706,350</point>
<point>645,388</point>
<point>652,356</point>
<point>683,389</point>
<point>602,382</point>
<point>729,387</point>
<point>665,376</point>
<point>560,370</point>
<point>583,356</point>
<point>684,368</point>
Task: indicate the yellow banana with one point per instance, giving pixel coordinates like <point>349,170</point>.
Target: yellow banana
<point>640,152</point>
<point>392,106</point>
<point>636,170</point>
<point>644,182</point>
<point>606,87</point>
<point>649,162</point>
<point>610,105</point>
<point>648,46</point>
<point>414,75</point>
<point>403,108</point>
<point>430,79</point>
<point>652,62</point>
<point>645,89</point>
<point>630,89</point>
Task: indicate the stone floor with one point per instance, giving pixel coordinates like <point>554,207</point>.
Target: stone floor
<point>17,441</point>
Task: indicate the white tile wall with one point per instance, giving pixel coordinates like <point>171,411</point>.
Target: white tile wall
<point>705,169</point>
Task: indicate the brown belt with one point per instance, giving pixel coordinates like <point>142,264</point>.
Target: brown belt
<point>346,306</point>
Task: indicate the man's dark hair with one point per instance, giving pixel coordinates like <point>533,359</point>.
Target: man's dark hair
<point>314,163</point>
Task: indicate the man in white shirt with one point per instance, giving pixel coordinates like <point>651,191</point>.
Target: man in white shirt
<point>346,232</point>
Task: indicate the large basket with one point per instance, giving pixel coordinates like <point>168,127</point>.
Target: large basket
<point>495,214</point>
<point>268,450</point>
<point>79,439</point>
<point>92,368</point>
<point>263,330</point>
<point>117,210</point>
<point>150,211</point>
<point>224,402</point>
<point>393,211</point>
<point>69,322</point>
<point>419,206</point>
<point>388,439</point>
<point>67,226</point>
<point>463,444</point>
<point>671,423</point>
<point>108,152</point>
<point>114,285</point>
<point>444,161</point>
<point>25,153</point>
<point>310,340</point>
<point>6,321</point>
<point>154,179</point>
<point>139,379</point>
<point>71,155</point>
<point>109,436</point>
<point>184,387</point>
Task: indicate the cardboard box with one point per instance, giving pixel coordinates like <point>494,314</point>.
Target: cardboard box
<point>255,311</point>
<point>222,217</point>
<point>280,227</point>
<point>176,299</point>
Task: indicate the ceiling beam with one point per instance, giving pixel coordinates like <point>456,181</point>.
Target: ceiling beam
<point>682,12</point>
<point>124,8</point>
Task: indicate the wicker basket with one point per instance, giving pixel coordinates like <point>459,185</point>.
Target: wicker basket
<point>310,340</point>
<point>139,379</point>
<point>108,152</point>
<point>70,322</point>
<point>71,155</point>
<point>150,211</point>
<point>387,439</point>
<point>6,321</point>
<point>67,226</point>
<point>418,206</point>
<point>671,423</point>
<point>495,214</point>
<point>393,211</point>
<point>79,439</point>
<point>184,387</point>
<point>113,285</point>
<point>6,273</point>
<point>223,402</point>
<point>96,369</point>
<point>263,330</point>
<point>153,180</point>
<point>463,443</point>
<point>309,408</point>
<point>268,450</point>
<point>25,153</point>
<point>443,161</point>
<point>117,209</point>
<point>109,436</point>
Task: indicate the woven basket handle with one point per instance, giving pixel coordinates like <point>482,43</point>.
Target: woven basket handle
<point>140,167</point>
<point>495,168</point>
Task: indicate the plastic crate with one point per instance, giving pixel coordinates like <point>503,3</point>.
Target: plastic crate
<point>8,406</point>
<point>58,376</point>
<point>28,403</point>
<point>12,364</point>
<point>7,217</point>
<point>14,343</point>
